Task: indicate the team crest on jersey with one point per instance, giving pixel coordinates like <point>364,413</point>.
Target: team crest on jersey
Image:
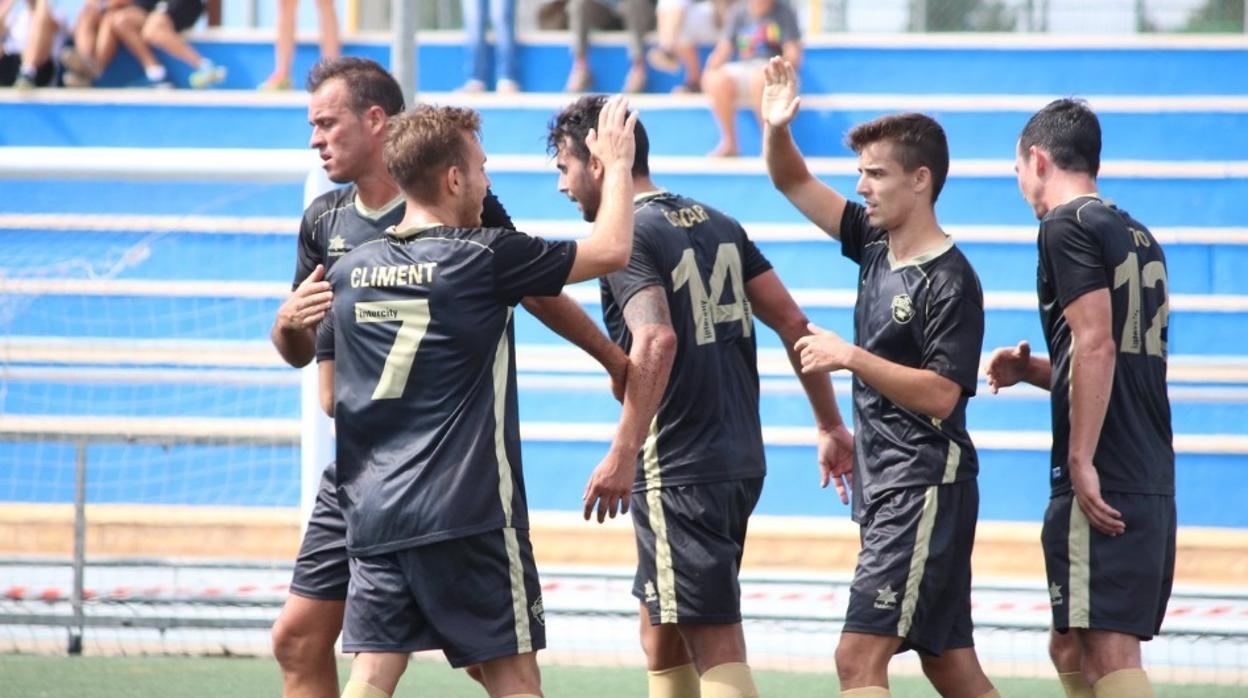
<point>886,598</point>
<point>538,611</point>
<point>903,308</point>
<point>337,246</point>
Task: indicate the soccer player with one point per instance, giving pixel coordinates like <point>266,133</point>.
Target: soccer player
<point>417,367</point>
<point>351,104</point>
<point>1109,530</point>
<point>689,449</point>
<point>918,331</point>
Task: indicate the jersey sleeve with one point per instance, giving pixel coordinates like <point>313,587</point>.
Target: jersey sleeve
<point>530,266</point>
<point>308,252</point>
<point>642,272</point>
<point>787,19</point>
<point>953,336</point>
<point>855,231</point>
<point>1075,259</point>
<point>494,214</point>
<point>754,262</point>
<point>325,338</point>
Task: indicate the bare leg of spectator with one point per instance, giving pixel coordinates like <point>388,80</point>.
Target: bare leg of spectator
<point>283,46</point>
<point>331,45</point>
<point>669,20</point>
<point>580,79</point>
<point>38,48</point>
<point>128,26</point>
<point>638,16</point>
<point>721,88</point>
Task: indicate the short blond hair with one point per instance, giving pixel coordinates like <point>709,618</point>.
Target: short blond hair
<point>424,142</point>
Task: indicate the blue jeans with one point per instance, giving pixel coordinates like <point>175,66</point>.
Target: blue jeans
<point>503,18</point>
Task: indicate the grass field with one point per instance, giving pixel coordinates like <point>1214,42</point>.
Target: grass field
<point>182,677</point>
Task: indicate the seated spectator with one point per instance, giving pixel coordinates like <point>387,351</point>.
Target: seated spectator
<point>29,32</point>
<point>636,16</point>
<point>683,26</point>
<point>95,44</point>
<point>754,32</point>
<point>503,18</point>
<point>148,24</point>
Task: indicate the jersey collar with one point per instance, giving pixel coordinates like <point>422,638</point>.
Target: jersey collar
<point>393,231</point>
<point>376,213</point>
<point>920,259</point>
<point>647,196</point>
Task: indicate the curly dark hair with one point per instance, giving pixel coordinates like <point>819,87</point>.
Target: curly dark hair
<point>572,125</point>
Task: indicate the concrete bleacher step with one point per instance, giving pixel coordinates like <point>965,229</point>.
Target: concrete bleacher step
<point>978,126</point>
<point>204,248</point>
<point>911,63</point>
<point>269,183</point>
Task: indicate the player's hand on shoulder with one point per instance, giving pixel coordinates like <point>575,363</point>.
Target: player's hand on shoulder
<point>823,351</point>
<point>1008,365</point>
<point>308,303</point>
<point>610,485</point>
<point>780,100</point>
<point>612,141</point>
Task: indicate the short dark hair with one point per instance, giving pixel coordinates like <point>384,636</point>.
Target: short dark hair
<point>369,83</point>
<point>918,141</point>
<point>574,123</point>
<point>422,144</point>
<point>1069,130</point>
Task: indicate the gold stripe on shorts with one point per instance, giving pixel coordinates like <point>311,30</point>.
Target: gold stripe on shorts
<point>1079,548</point>
<point>666,581</point>
<point>918,559</point>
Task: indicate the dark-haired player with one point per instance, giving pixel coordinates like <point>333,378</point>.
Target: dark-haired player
<point>1109,531</point>
<point>918,331</point>
<point>688,454</point>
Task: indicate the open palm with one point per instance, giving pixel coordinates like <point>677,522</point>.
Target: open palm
<point>780,100</point>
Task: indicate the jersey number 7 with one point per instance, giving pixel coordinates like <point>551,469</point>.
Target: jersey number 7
<point>414,316</point>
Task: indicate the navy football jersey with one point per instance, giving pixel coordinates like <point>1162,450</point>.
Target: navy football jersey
<point>926,312</point>
<point>335,223</point>
<point>1087,245</point>
<point>421,335</point>
<point>707,427</point>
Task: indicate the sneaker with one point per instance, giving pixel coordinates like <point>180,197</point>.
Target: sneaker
<point>274,84</point>
<point>663,60</point>
<point>507,87</point>
<point>208,74</point>
<point>472,87</point>
<point>24,83</point>
<point>161,84</point>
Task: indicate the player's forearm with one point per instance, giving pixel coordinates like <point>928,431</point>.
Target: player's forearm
<point>1091,381</point>
<point>297,347</point>
<point>1039,372</point>
<point>916,389</point>
<point>567,319</point>
<point>650,366</point>
<point>608,248</point>
<point>785,164</point>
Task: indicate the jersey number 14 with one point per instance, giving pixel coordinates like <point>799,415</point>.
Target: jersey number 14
<point>707,310</point>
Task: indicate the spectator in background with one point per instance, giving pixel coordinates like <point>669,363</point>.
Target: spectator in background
<point>95,43</point>
<point>503,18</point>
<point>683,26</point>
<point>636,16</point>
<point>145,24</point>
<point>284,46</point>
<point>754,32</point>
<point>28,30</point>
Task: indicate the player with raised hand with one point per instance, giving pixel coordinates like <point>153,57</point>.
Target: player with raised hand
<point>918,330</point>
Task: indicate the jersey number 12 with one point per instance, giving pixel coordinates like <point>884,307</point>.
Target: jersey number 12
<point>1135,278</point>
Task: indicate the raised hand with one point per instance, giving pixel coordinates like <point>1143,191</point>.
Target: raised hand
<point>612,141</point>
<point>780,100</point>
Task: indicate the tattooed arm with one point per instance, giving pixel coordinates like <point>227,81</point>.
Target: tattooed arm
<point>650,363</point>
